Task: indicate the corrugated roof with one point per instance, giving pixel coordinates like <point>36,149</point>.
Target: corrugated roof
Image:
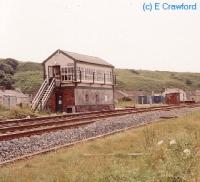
<point>86,58</point>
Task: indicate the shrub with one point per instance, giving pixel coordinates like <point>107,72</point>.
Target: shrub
<point>126,99</point>
<point>19,113</point>
<point>188,82</point>
<point>134,71</point>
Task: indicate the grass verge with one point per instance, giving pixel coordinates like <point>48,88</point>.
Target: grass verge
<point>19,113</point>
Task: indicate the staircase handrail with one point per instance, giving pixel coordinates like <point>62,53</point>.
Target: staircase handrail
<point>39,93</point>
<point>48,92</point>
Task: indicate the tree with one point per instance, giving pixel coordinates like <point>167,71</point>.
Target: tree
<point>6,68</point>
<point>7,81</point>
<point>2,74</point>
<point>12,62</point>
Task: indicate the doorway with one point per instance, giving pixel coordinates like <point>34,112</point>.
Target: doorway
<point>59,102</point>
<point>54,72</point>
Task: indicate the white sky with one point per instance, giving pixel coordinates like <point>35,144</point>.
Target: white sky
<point>115,30</point>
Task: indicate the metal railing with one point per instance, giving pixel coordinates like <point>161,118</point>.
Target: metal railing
<point>43,95</point>
<point>48,93</point>
<point>38,96</point>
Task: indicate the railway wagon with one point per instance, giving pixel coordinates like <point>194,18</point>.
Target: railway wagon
<point>75,83</point>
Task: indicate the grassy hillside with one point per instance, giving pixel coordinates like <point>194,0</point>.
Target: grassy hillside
<point>156,80</point>
<point>28,76</point>
<point>29,66</point>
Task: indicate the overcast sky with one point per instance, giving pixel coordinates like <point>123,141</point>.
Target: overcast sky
<point>115,30</point>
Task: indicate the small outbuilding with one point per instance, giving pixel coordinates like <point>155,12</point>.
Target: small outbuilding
<point>169,92</point>
<point>12,98</point>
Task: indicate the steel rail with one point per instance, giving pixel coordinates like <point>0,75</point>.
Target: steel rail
<point>47,126</point>
<point>38,123</point>
<point>74,114</point>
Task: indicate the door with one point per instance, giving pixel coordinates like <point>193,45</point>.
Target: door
<point>59,102</point>
<point>56,71</point>
<point>56,75</point>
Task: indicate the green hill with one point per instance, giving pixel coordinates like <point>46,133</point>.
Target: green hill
<point>131,79</point>
<point>28,76</point>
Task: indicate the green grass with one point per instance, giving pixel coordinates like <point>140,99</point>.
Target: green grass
<point>28,76</point>
<point>29,66</point>
<point>28,81</point>
<point>19,112</point>
<point>124,104</point>
<point>159,163</point>
<point>155,80</point>
<point>3,112</point>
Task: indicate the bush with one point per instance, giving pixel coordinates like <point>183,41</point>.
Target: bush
<point>18,113</point>
<point>134,71</point>
<point>12,62</point>
<point>188,82</point>
<point>6,81</point>
<point>126,99</point>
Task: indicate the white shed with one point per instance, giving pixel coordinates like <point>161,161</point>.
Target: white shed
<point>12,98</point>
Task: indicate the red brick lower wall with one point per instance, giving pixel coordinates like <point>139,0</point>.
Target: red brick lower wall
<point>67,95</point>
<point>51,104</point>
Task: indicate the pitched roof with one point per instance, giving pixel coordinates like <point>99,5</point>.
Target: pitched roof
<point>83,58</point>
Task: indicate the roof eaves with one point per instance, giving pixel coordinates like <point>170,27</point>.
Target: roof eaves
<point>105,65</point>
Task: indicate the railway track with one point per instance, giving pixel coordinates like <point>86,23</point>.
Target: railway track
<point>11,129</point>
<point>19,151</point>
